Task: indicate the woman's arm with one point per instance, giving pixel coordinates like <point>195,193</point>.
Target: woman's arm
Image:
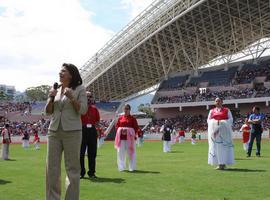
<point>49,107</point>
<point>49,104</point>
<point>230,118</point>
<point>80,104</point>
<point>209,116</point>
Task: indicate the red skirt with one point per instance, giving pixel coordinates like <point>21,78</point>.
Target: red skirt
<point>245,137</point>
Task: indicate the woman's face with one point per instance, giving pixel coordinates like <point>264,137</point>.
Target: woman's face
<point>64,76</point>
<point>218,103</point>
<point>127,110</point>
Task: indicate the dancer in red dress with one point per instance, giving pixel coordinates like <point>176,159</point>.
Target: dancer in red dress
<point>101,136</point>
<point>245,129</point>
<point>126,130</point>
<point>181,135</point>
<point>36,140</point>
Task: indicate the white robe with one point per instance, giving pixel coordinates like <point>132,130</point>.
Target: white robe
<point>220,141</point>
<point>5,147</point>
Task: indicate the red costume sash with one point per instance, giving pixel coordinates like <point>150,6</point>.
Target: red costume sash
<point>221,114</point>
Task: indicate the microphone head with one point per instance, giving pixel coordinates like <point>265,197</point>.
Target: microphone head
<point>55,86</point>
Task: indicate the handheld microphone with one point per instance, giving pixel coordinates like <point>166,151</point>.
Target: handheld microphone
<point>55,87</point>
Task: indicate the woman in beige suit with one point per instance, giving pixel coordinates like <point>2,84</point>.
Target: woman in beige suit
<point>66,105</point>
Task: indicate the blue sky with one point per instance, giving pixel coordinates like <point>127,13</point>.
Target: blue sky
<point>2,9</point>
<point>110,13</point>
<point>37,36</point>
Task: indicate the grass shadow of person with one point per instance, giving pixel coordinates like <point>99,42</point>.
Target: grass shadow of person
<point>143,172</point>
<point>244,170</point>
<point>107,180</point>
<point>10,159</point>
<point>242,158</point>
<point>176,151</point>
<point>2,182</point>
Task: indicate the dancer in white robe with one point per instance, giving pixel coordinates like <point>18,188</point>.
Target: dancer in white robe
<point>220,136</point>
<point>5,141</point>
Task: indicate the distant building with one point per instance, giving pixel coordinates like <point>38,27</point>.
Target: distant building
<point>8,90</point>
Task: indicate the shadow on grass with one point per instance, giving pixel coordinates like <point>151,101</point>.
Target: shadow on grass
<point>107,180</point>
<point>177,152</point>
<point>143,172</point>
<point>252,157</point>
<point>242,158</point>
<point>11,160</point>
<point>2,182</point>
<point>244,170</point>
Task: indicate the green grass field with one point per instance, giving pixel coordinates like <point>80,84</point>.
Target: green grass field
<point>181,174</point>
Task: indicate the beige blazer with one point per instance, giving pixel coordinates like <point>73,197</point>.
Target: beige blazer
<point>64,112</point>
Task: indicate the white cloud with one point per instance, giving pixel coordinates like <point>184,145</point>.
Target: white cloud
<point>136,6</point>
<point>37,36</point>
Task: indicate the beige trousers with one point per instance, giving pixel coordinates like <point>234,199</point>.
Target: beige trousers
<point>68,142</point>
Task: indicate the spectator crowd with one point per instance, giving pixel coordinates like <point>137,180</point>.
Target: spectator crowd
<point>244,76</point>
<point>197,122</point>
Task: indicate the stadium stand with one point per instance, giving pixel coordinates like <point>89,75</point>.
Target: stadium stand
<point>219,83</point>
<point>174,83</point>
<point>215,78</point>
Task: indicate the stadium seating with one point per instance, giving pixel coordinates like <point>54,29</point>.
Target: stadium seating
<point>173,83</point>
<point>108,106</point>
<point>215,78</point>
<point>229,79</point>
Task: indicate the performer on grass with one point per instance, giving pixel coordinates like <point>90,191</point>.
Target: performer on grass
<point>256,121</point>
<point>25,139</point>
<point>36,140</point>
<point>181,135</point>
<point>220,136</point>
<point>193,136</point>
<point>90,121</point>
<point>101,136</point>
<point>126,130</point>
<point>140,138</point>
<point>166,129</point>
<point>5,141</point>
<point>245,129</point>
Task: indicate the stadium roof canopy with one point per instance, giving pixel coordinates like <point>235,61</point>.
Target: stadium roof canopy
<point>173,36</point>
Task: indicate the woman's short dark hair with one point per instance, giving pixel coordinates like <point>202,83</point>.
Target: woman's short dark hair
<point>76,79</point>
<point>127,106</point>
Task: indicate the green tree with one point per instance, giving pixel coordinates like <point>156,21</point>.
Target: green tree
<point>39,93</point>
<point>2,95</point>
<point>146,109</point>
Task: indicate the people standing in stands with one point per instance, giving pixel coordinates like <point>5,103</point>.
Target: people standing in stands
<point>6,140</point>
<point>25,139</point>
<point>256,121</point>
<point>220,136</point>
<point>90,121</point>
<point>245,129</point>
<point>166,129</point>
<point>181,135</point>
<point>66,104</point>
<point>193,136</point>
<point>126,130</point>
